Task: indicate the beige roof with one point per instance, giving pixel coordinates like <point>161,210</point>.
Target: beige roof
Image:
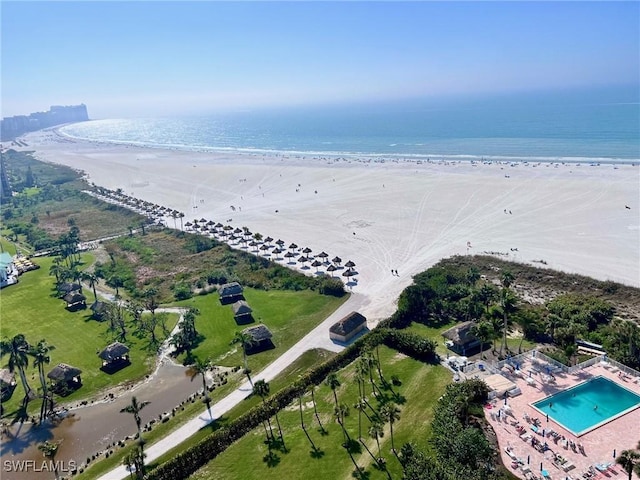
<point>499,384</point>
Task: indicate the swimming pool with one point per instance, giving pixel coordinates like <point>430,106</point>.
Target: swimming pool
<point>588,405</point>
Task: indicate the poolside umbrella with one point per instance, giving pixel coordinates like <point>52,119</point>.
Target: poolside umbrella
<point>331,268</point>
<point>349,264</point>
<point>316,264</point>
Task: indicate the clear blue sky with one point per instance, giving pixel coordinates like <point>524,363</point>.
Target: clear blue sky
<point>151,58</point>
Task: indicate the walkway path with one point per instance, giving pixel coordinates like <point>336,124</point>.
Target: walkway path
<point>317,338</point>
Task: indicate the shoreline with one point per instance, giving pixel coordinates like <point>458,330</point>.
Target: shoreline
<point>392,215</point>
<point>435,158</point>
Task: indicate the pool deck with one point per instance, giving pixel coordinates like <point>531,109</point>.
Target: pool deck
<point>598,445</point>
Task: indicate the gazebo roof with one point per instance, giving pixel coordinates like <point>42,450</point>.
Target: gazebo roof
<point>113,351</point>
<point>63,372</point>
<point>6,376</point>
<point>259,333</point>
<point>74,297</point>
<point>241,307</point>
<point>348,324</point>
<point>69,287</point>
<point>230,289</point>
<point>460,334</point>
<point>99,307</point>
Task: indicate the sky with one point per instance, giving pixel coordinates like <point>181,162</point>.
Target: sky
<point>143,58</point>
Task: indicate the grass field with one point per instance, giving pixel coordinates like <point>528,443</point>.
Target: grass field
<point>288,315</point>
<point>421,385</point>
<point>30,308</point>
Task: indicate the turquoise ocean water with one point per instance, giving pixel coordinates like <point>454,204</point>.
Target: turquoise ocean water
<point>553,127</point>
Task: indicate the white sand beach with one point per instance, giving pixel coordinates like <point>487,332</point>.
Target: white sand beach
<point>396,214</point>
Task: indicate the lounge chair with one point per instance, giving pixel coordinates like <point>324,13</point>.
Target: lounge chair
<point>545,475</point>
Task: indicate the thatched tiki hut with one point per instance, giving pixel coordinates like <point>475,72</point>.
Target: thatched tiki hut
<point>460,339</point>
<point>230,292</point>
<point>65,378</point>
<point>114,356</point>
<point>348,327</point>
<point>99,310</point>
<point>66,288</point>
<point>75,301</point>
<point>242,312</point>
<point>7,384</point>
<point>261,339</point>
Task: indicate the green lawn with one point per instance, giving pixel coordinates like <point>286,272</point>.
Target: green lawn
<point>289,316</point>
<point>306,361</point>
<point>29,308</point>
<point>422,385</point>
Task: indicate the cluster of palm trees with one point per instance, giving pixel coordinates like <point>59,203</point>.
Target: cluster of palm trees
<point>19,352</point>
<point>494,321</point>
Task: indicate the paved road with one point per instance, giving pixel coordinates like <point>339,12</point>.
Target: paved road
<point>317,338</point>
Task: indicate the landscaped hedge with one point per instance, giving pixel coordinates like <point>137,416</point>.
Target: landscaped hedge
<point>189,461</point>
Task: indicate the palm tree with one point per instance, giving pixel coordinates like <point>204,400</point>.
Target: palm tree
<point>312,388</point>
<point>484,332</point>
<point>360,406</point>
<point>246,340</point>
<point>505,298</point>
<point>333,383</point>
<point>390,413</point>
<point>362,370</point>
<point>40,354</point>
<point>200,367</point>
<point>629,460</point>
<point>261,388</point>
<point>134,408</point>
<point>340,412</point>
<point>18,350</point>
<point>304,429</point>
<point>376,430</point>
<point>49,450</point>
<point>92,279</point>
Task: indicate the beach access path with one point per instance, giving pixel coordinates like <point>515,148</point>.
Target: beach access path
<point>317,338</point>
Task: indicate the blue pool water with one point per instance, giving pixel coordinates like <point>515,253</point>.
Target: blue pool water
<point>588,405</point>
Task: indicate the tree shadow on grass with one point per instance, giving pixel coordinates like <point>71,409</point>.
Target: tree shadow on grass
<point>352,446</point>
<point>25,436</point>
<point>272,459</point>
<point>316,453</point>
<point>361,475</point>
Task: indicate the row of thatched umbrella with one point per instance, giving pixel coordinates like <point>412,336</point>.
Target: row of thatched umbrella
<point>155,212</point>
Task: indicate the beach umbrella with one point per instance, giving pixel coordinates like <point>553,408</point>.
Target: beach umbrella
<point>237,231</point>
<point>290,255</point>
<point>211,223</point>
<point>316,264</point>
<point>303,260</point>
<point>293,246</point>
<point>349,264</point>
<point>337,260</point>
<point>265,249</point>
<point>280,242</point>
<point>307,251</point>
<point>323,256</point>
<point>203,220</point>
<point>349,273</point>
<point>268,240</point>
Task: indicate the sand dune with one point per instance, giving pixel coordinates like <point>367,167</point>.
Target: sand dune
<point>393,215</point>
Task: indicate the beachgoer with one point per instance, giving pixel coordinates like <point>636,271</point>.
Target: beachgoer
<point>595,407</point>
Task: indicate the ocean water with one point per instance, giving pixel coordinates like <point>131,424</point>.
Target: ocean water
<point>551,128</point>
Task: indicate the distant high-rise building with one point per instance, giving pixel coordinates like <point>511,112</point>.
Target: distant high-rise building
<point>12,127</point>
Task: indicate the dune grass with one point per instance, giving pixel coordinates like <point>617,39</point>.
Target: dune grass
<point>32,308</point>
<point>422,385</point>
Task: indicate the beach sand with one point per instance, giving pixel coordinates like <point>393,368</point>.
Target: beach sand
<point>392,215</point>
